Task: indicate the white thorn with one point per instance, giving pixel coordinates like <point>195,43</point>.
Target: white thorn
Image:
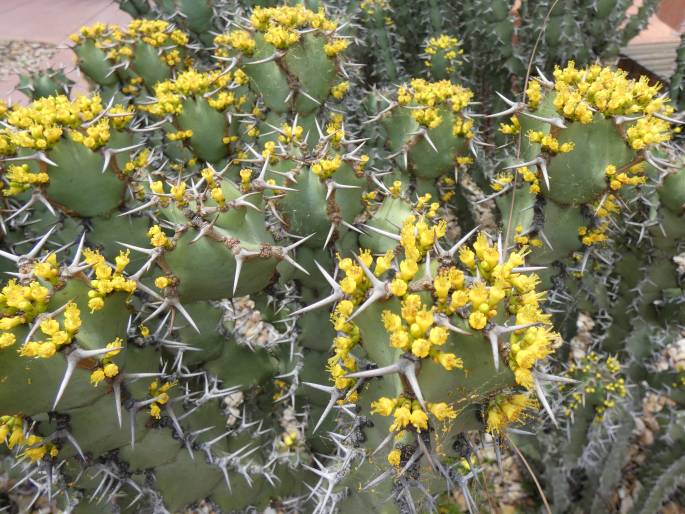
<point>554,378</point>
<point>543,399</point>
<point>330,235</point>
<point>463,240</point>
<point>395,237</point>
<point>377,372</point>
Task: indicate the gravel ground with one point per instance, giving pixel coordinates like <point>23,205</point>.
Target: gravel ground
<point>22,56</point>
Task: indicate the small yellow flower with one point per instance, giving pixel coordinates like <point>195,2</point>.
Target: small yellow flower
<point>419,419</point>
<point>442,411</point>
<point>111,370</point>
<point>398,287</point>
<point>394,458</point>
<point>449,361</point>
<point>420,347</point>
<point>47,350</point>
<point>155,411</point>
<point>408,268</point>
<point>7,339</point>
<point>438,335</point>
<point>348,285</point>
<point>97,376</point>
<point>95,304</point>
<point>477,320</point>
<point>402,419</point>
<point>162,282</point>
<point>383,406</point>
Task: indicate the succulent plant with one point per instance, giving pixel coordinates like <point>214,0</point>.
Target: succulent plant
<point>246,273</point>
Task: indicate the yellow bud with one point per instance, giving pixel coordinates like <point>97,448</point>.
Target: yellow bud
<point>111,370</point>
<point>97,376</point>
<point>398,287</point>
<point>394,458</point>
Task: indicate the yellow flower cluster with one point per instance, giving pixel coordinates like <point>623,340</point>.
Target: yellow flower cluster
<point>20,178</point>
<point>132,87</point>
<point>161,396</point>
<point>336,47</point>
<point>500,282</point>
<point>281,26</point>
<point>361,164</point>
<point>600,379</point>
<point>595,235</point>
<point>324,168</point>
<point>169,94</point>
<point>40,125</point>
<point>548,142</point>
<point>526,348</point>
<point>505,410</point>
<point>179,135</point>
<point>137,163</point>
<point>339,90</point>
<point>240,40</point>
<point>157,33</point>
<point>431,94</point>
<point>107,280</point>
<point>462,127</point>
<point>648,131</point>
<point>530,176</point>
<point>19,305</point>
<point>579,93</point>
<point>334,128</point>
<point>107,368</point>
<point>524,239</point>
<point>513,128</point>
<point>415,330</point>
<point>608,90</point>
<point>47,269</point>
<point>94,136</point>
<point>280,37</point>
<point>290,439</point>
<point>295,17</point>
<point>289,134</point>
<point>12,435</point>
<point>158,238</point>
<point>355,283</point>
<point>245,175</point>
<point>409,412</point>
<point>117,42</point>
<point>369,7</point>
<point>102,33</point>
<point>58,335</point>
<point>534,95</point>
<point>428,117</point>
<point>443,42</point>
<point>269,151</point>
<point>425,201</point>
<point>405,411</point>
<point>224,99</point>
<point>610,206</point>
<point>447,46</point>
<point>417,236</point>
<point>633,176</point>
<point>342,361</point>
<point>163,282</point>
<point>121,115</point>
